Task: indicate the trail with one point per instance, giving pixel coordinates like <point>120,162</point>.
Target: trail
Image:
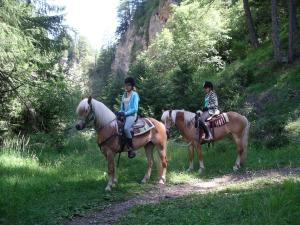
<point>112,213</point>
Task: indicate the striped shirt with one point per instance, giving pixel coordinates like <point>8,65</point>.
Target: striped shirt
<point>211,102</point>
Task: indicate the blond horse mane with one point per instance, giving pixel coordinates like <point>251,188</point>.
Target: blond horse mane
<point>103,114</point>
<point>188,116</point>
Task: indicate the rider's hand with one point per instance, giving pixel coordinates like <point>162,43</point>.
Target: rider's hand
<point>120,115</point>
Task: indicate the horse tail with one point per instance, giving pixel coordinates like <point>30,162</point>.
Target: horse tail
<point>245,138</point>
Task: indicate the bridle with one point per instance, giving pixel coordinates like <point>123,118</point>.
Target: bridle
<point>170,120</point>
<point>91,117</point>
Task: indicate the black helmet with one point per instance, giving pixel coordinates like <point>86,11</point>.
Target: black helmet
<point>208,84</point>
<point>130,80</point>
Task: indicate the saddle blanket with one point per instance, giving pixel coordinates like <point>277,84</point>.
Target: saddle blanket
<point>141,126</point>
<point>219,120</point>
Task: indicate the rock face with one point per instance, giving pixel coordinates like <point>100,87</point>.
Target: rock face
<point>136,39</point>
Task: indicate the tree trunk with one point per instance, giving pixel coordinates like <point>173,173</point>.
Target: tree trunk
<point>252,32</point>
<point>275,32</point>
<point>292,28</point>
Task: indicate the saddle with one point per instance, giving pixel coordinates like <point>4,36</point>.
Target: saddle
<point>217,120</point>
<point>140,126</point>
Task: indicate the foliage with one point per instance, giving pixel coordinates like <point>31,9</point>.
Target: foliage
<point>126,12</point>
<point>208,40</point>
<point>34,86</point>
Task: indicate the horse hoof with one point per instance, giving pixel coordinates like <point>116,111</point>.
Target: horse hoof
<point>189,170</point>
<point>201,170</point>
<point>108,188</point>
<point>161,181</point>
<point>144,181</point>
<point>236,168</point>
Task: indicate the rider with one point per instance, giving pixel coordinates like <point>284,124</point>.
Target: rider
<point>129,109</point>
<point>210,108</point>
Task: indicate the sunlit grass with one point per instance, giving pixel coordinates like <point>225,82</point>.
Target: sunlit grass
<point>179,178</point>
<point>259,201</point>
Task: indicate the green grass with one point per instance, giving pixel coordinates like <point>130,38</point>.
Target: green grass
<point>262,201</point>
<point>220,159</point>
<point>42,185</point>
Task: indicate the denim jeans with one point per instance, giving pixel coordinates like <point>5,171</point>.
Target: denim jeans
<point>128,124</point>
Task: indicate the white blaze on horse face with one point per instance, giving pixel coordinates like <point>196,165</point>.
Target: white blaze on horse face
<point>173,116</point>
<point>83,109</point>
<point>165,119</point>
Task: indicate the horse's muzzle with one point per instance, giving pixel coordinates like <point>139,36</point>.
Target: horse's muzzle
<point>80,126</point>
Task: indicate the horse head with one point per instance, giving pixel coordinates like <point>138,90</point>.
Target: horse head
<point>85,113</point>
<point>167,119</point>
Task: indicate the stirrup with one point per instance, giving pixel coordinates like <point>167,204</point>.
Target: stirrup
<point>210,138</point>
<point>131,154</point>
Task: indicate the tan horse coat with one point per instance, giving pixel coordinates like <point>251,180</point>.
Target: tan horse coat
<point>184,121</point>
<point>109,142</point>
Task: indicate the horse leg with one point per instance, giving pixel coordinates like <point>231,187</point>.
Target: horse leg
<point>200,156</point>
<point>191,157</point>
<point>240,150</point>
<point>149,153</point>
<point>111,170</point>
<point>162,151</point>
<point>115,179</point>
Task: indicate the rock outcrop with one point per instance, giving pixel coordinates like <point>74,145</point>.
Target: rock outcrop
<point>137,39</point>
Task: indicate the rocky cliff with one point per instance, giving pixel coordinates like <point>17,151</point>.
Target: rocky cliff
<point>137,39</point>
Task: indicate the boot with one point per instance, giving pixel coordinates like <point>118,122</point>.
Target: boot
<point>131,153</point>
<point>208,136</point>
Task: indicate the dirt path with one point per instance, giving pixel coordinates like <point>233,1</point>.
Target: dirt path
<point>113,212</point>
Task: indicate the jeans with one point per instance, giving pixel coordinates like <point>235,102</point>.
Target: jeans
<point>128,124</point>
<point>205,116</point>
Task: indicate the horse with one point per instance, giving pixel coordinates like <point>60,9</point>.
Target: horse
<point>109,140</point>
<point>237,125</point>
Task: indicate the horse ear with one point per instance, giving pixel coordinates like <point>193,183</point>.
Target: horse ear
<point>89,100</point>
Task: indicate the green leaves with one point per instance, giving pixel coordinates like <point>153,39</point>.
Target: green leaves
<point>32,40</point>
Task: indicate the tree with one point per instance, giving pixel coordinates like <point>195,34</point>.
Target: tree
<point>275,32</point>
<point>252,32</point>
<point>292,28</point>
<point>126,11</point>
<point>33,40</point>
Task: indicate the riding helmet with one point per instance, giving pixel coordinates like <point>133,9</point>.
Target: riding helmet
<point>130,80</point>
<point>208,84</point>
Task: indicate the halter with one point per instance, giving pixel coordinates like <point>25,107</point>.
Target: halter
<point>171,119</point>
<point>91,116</point>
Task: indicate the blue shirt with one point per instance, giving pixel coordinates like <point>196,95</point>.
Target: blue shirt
<point>133,104</point>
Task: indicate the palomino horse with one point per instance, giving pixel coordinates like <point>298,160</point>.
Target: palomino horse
<point>109,142</point>
<point>238,126</point>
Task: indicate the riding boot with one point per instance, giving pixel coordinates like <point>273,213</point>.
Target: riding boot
<point>208,136</point>
<point>131,153</point>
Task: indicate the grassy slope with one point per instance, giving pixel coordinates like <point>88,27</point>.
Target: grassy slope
<point>48,186</point>
<point>262,201</point>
